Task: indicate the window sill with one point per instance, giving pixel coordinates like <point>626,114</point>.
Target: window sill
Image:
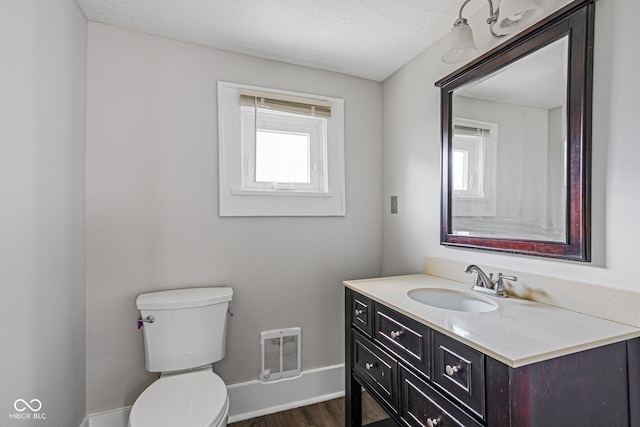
<point>278,193</point>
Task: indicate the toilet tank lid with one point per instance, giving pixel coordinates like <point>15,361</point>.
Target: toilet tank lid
<point>183,298</point>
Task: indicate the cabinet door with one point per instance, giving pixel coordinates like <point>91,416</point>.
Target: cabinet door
<point>459,370</point>
<point>377,369</point>
<point>423,406</point>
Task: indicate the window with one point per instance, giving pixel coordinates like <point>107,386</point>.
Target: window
<point>468,161</point>
<point>473,159</point>
<point>282,156</point>
<point>281,153</point>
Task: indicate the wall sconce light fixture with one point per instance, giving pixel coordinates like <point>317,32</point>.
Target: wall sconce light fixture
<point>510,17</point>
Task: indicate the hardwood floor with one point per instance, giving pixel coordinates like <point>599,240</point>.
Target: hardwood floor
<point>323,414</point>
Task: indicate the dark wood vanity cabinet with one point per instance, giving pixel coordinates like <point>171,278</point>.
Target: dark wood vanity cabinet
<point>424,378</point>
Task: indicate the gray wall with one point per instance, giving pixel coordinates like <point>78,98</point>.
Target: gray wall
<point>152,209</point>
<point>411,153</point>
<point>42,241</point>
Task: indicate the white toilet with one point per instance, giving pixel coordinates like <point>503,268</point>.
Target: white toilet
<point>184,333</point>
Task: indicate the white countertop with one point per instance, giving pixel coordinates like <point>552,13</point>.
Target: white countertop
<point>519,332</point>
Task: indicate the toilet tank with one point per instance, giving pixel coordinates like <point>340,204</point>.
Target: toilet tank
<point>189,327</point>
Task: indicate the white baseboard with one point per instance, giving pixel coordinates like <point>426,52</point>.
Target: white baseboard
<point>254,398</point>
<point>114,418</point>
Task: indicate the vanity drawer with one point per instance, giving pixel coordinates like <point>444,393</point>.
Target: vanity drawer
<point>459,370</point>
<point>409,339</point>
<point>362,313</point>
<point>423,406</point>
<point>377,369</point>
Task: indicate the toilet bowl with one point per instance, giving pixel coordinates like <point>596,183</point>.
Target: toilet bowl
<point>192,399</point>
<point>184,334</point>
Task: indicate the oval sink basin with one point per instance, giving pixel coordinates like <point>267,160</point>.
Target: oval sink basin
<point>452,300</point>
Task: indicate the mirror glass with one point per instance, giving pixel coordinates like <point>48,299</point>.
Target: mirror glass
<point>509,150</point>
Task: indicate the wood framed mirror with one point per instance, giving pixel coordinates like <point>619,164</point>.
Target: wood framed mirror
<point>516,142</point>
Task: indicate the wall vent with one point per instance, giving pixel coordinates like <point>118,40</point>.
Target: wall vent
<point>281,354</point>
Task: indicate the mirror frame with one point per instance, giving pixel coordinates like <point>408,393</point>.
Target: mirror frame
<point>577,21</point>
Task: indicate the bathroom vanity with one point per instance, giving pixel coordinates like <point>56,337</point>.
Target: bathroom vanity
<point>520,364</point>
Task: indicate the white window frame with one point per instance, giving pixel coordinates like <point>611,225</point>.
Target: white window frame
<point>474,166</point>
<point>240,195</point>
<point>480,197</point>
<point>281,122</point>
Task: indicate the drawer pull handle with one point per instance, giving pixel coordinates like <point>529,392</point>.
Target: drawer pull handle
<point>452,369</point>
<point>395,335</point>
<point>359,312</point>
<point>434,422</point>
<point>369,366</point>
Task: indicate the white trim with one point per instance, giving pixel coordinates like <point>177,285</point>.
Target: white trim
<point>254,398</point>
<point>113,418</point>
<point>269,193</point>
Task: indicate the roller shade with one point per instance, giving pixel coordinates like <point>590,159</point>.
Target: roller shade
<point>285,103</point>
<point>469,131</point>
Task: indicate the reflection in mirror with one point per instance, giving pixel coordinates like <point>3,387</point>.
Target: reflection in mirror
<point>509,150</point>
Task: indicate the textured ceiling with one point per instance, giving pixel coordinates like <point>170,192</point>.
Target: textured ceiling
<point>366,38</point>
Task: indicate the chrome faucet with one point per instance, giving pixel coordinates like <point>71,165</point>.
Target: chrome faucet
<point>482,280</point>
<point>485,284</point>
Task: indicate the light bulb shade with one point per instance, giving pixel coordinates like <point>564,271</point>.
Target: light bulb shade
<point>515,15</point>
<point>460,45</point>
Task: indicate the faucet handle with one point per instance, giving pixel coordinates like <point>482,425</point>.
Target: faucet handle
<point>499,287</point>
<point>502,277</point>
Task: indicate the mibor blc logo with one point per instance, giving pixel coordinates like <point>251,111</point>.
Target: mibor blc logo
<point>28,410</point>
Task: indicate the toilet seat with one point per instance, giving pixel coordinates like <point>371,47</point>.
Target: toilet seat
<point>188,399</point>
